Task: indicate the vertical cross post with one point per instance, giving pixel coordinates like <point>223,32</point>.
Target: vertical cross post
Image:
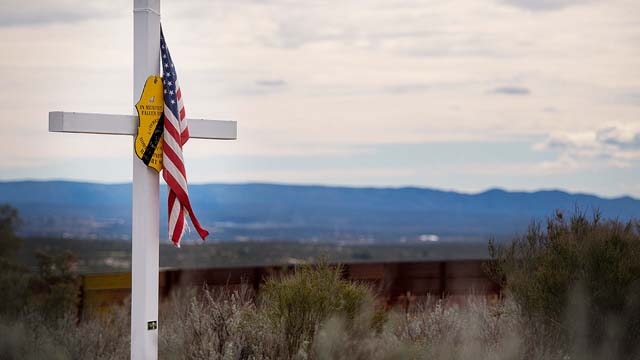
<point>145,235</point>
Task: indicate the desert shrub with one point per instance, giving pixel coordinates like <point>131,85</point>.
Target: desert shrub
<point>13,277</point>
<point>226,323</point>
<point>13,289</point>
<point>476,329</point>
<point>54,289</point>
<point>23,340</point>
<point>36,336</point>
<point>341,339</point>
<point>311,313</point>
<point>298,303</point>
<point>578,280</point>
<point>9,222</point>
<point>206,324</point>
<point>435,325</point>
<point>38,315</point>
<point>101,337</point>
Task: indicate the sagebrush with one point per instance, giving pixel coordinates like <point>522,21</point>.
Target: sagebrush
<point>578,279</point>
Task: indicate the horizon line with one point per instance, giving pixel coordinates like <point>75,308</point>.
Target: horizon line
<point>379,187</point>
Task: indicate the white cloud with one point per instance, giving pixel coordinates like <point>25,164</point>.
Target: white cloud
<point>304,79</point>
<point>41,12</point>
<point>609,146</point>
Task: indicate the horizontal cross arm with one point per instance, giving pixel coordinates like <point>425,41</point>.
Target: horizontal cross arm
<point>87,123</point>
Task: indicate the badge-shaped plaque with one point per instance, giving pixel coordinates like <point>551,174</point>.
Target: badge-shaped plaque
<point>148,143</point>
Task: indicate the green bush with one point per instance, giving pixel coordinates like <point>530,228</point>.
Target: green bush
<point>13,277</point>
<point>14,289</point>
<point>579,278</point>
<point>297,304</point>
<point>9,222</point>
<point>55,287</point>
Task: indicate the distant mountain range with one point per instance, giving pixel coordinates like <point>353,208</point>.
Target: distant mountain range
<point>293,212</point>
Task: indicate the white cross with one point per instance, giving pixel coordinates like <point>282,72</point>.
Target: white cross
<point>146,210</point>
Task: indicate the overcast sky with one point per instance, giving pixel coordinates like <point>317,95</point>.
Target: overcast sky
<point>463,94</point>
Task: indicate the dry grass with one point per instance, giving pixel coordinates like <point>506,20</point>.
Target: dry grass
<point>333,319</point>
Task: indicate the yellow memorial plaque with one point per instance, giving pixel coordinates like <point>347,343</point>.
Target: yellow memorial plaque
<point>148,143</point>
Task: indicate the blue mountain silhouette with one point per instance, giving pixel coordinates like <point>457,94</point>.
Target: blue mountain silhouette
<point>296,212</point>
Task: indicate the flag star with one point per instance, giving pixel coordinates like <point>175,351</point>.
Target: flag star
<point>165,91</point>
<point>171,92</point>
<point>164,55</point>
<point>166,65</point>
<point>169,83</point>
<point>173,101</point>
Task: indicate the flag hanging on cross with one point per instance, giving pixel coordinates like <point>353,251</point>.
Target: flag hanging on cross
<point>176,134</point>
<point>145,219</point>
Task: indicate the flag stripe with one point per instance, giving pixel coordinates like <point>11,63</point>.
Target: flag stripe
<point>176,134</point>
<point>184,199</point>
<point>174,207</point>
<point>174,158</point>
<point>170,128</point>
<point>173,171</point>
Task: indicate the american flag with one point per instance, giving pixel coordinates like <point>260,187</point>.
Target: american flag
<point>176,134</point>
